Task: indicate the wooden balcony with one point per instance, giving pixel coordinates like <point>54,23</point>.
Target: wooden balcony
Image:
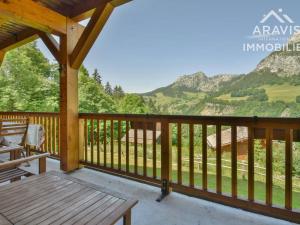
<point>173,153</point>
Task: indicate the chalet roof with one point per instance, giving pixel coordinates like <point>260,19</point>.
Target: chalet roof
<point>242,135</point>
<point>149,136</point>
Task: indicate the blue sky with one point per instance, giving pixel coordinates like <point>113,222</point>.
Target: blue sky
<point>147,44</point>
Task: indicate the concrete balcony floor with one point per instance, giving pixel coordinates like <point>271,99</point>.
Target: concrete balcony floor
<point>176,209</point>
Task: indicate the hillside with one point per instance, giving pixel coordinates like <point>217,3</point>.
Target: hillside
<point>271,89</point>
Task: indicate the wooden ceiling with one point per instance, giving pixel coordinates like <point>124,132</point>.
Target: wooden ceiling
<point>14,32</point>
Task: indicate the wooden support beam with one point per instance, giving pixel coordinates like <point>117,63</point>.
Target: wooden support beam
<point>86,9</point>
<point>2,55</point>
<point>19,39</point>
<point>90,34</point>
<point>25,37</point>
<point>69,126</point>
<point>34,15</point>
<point>51,44</point>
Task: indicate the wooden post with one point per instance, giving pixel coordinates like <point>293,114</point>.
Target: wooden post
<point>69,126</point>
<point>166,159</point>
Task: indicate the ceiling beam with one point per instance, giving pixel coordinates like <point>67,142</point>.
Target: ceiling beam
<point>32,14</point>
<point>86,9</point>
<point>90,34</point>
<point>19,39</point>
<point>51,44</point>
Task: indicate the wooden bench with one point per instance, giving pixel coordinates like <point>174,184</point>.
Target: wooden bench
<point>17,128</point>
<point>10,171</point>
<point>55,198</point>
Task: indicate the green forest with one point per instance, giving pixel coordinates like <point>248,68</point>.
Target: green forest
<point>30,82</point>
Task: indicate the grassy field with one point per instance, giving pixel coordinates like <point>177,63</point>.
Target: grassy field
<point>285,92</point>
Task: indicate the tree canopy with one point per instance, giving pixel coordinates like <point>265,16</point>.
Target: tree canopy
<point>29,82</point>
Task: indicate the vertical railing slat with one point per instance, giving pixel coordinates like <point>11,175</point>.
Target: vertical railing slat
<point>53,138</point>
<point>135,151</point>
<point>105,142</point>
<point>191,155</point>
<point>144,149</point>
<point>288,168</point>
<point>85,141</point>
<point>98,142</point>
<point>234,161</point>
<point>127,146</point>
<point>119,143</point>
<point>250,164</point>
<point>111,144</point>
<point>179,156</point>
<point>204,157</point>
<point>154,150</point>
<point>92,141</point>
<point>58,136</point>
<point>269,176</point>
<point>219,159</point>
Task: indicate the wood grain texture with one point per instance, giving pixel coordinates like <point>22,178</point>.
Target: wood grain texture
<point>34,15</point>
<point>51,44</point>
<point>55,198</point>
<point>69,126</point>
<point>2,55</point>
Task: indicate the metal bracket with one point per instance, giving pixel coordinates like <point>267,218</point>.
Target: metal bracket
<point>164,190</point>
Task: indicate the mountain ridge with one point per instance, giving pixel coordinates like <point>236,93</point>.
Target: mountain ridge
<point>271,89</point>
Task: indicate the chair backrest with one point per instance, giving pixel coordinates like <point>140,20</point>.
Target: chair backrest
<point>14,128</point>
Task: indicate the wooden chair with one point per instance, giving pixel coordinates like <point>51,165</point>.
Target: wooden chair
<point>16,128</point>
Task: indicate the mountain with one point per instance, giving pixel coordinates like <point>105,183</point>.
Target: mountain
<point>197,82</point>
<point>271,89</point>
<point>284,63</point>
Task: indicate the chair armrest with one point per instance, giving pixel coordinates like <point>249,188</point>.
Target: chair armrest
<point>6,149</point>
<point>17,162</point>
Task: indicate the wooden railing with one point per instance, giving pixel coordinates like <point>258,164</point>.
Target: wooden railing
<point>154,149</point>
<point>50,122</point>
<point>166,151</point>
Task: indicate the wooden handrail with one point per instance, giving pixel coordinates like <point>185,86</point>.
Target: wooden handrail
<point>17,162</point>
<point>140,147</point>
<point>209,120</point>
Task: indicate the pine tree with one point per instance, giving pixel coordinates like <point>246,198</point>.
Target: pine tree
<point>97,77</point>
<point>118,92</point>
<point>121,92</point>
<point>108,89</point>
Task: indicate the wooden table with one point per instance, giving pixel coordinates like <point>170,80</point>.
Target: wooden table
<point>54,198</point>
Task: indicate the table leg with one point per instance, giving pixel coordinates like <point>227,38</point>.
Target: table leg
<point>127,218</point>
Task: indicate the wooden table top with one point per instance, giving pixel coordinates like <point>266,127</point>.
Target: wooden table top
<point>55,198</point>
